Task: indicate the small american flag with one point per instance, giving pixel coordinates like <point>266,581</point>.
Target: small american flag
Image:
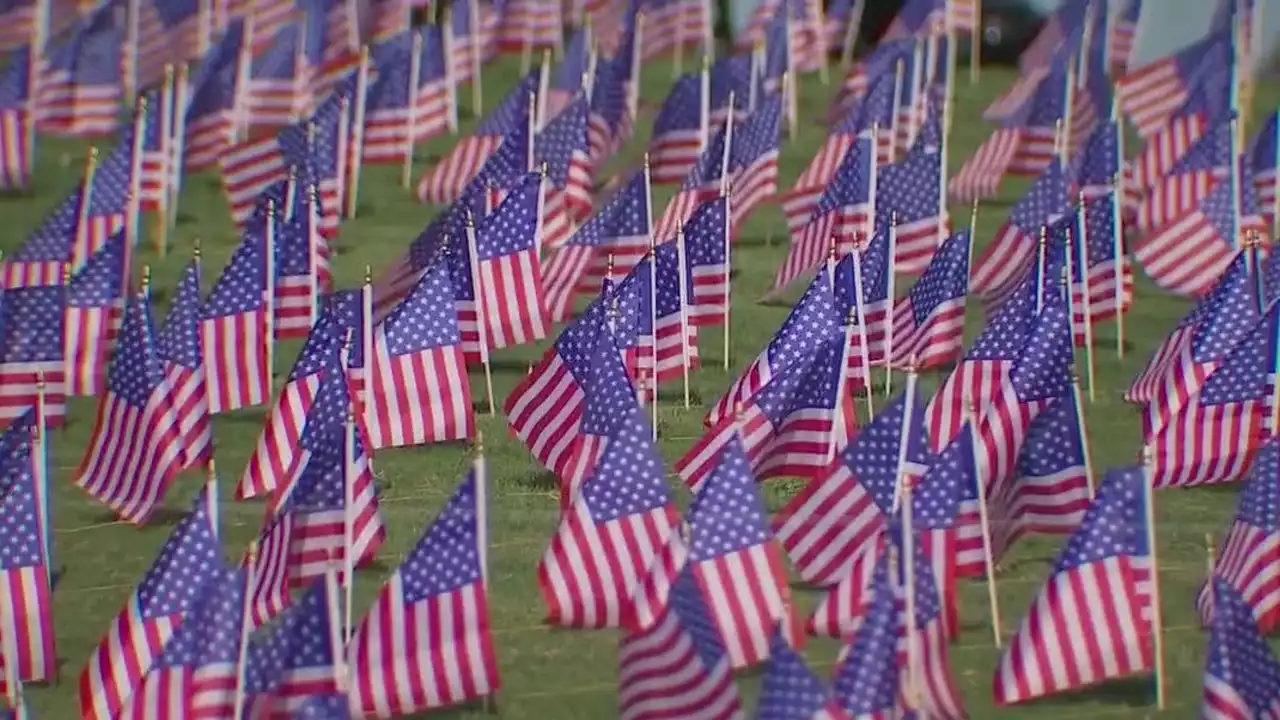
<point>1200,343</point>
<point>1187,180</point>
<point>528,25</point>
<point>198,670</point>
<point>753,160</point>
<point>180,348</point>
<point>611,124</point>
<point>570,76</point>
<point>1161,152</point>
<point>210,113</point>
<point>108,201</point>
<point>155,178</point>
<point>398,113</point>
<point>1241,674</point>
<point>881,63</point>
<point>189,561</point>
<point>1040,374</point>
<point>302,263</point>
<point>678,667</point>
<point>706,247</point>
<point>93,316</point>
<point>1247,557</point>
<point>234,331</point>
<point>1007,260</point>
<point>28,601</point>
<point>446,182</point>
<point>134,453</point>
<point>812,323</point>
<point>509,270</point>
<point>840,612</point>
<point>916,18</point>
<point>791,691</point>
<point>470,34</point>
<point>842,213</point>
<point>15,112</point>
<point>736,560</point>
<point>306,522</point>
<point>318,380</point>
<point>280,79</point>
<point>1213,437</point>
<point>702,183</point>
<point>168,33</point>
<point>301,658</point>
<point>1102,273</point>
<point>619,231</point>
<point>81,85</point>
<point>928,324</point>
<point>891,666</point>
<point>562,147</point>
<point>440,591</point>
<point>1152,94</point>
<point>1050,491</point>
<point>618,521</point>
<point>676,137</point>
<point>912,189</point>
<point>1124,36</point>
<point>419,391</point>
<point>1093,170</point>
<point>826,527</point>
<point>1262,159</point>
<point>791,427</point>
<point>1104,571</point>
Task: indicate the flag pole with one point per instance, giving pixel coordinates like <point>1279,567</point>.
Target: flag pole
<point>704,98</point>
<point>728,265</point>
<point>681,264</point>
<point>984,517</point>
<point>246,628</point>
<point>824,73</point>
<point>337,633</point>
<point>653,330</point>
<point>450,73</point>
<point>348,516</point>
<point>544,90</point>
<point>168,101</point>
<point>481,318</point>
<point>80,254</point>
<point>477,49</point>
<point>313,253</point>
<point>366,339</point>
<point>837,424</point>
<point>480,471</point>
<point>975,44</point>
<point>356,135</point>
<point>1157,621</point>
<point>1211,560</point>
<point>13,683</point>
<point>269,320</point>
<point>633,93</point>
<point>1083,431</point>
<point>411,126</point>
<point>899,71</point>
<point>905,486</point>
<point>890,310</point>
<point>211,494</point>
<point>40,471</point>
<point>1117,249</point>
<point>677,61</point>
<point>1041,265</point>
<point>178,146</point>
<point>903,439</point>
<point>851,35</point>
<point>1086,302</point>
<point>860,315</point>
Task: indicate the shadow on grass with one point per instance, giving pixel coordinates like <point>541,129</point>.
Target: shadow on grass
<point>1130,692</point>
<point>510,366</point>
<point>162,517</point>
<point>374,567</point>
<point>159,294</point>
<point>539,481</point>
<point>185,218</point>
<point>493,707</point>
<point>18,194</point>
<point>250,416</point>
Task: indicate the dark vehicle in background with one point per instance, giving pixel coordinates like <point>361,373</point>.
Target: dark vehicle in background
<point>1008,27</point>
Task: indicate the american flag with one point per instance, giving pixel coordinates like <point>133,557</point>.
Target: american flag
<point>1241,675</point>
<point>198,670</point>
<point>667,339</point>
<point>916,18</point>
<point>870,298</point>
<point>928,324</point>
<point>32,317</point>
<point>676,139</point>
<point>840,611</point>
<point>1094,168</point>
<point>318,382</point>
<point>1159,155</point>
<point>234,331</point>
<point>108,201</point>
<point>611,123</point>
<point>679,666</point>
<point>1152,94</point>
<point>135,451</point>
<point>841,215</point>
<point>813,322</point>
<point>791,691</point>
<point>881,63</point>
<point>704,182</point>
<point>1006,260</point>
<point>912,190</point>
<point>1050,490</point>
<point>440,591</point>
<point>279,91</point>
<point>15,113</point>
<point>617,523</point>
<point>1198,345</point>
<point>266,18</point>
<point>826,526</point>
<point>306,522</point>
<point>449,178</point>
<point>509,270</point>
<point>669,24</point>
<point>154,181</point>
<point>1187,180</point>
<point>528,25</point>
<point>302,263</point>
<point>188,563</point>
<point>1104,571</point>
<point>1101,273</point>
<point>561,146</point>
<point>409,102</point>
<point>1263,155</point>
<point>1213,437</point>
<point>93,310</point>
<point>28,601</point>
<point>735,558</point>
<point>211,111</point>
<point>619,232</point>
<point>81,85</point>
<point>791,427</point>
<point>168,33</point>
<point>17,23</point>
<point>301,658</point>
<point>876,107</point>
<point>570,77</point>
<point>1188,252</point>
<point>1247,558</point>
<point>1124,36</point>
<point>706,248</point>
<point>753,160</point>
<point>470,38</point>
<point>1040,374</point>
<point>419,389</point>
<point>897,664</point>
<point>179,347</point>
<point>1064,27</point>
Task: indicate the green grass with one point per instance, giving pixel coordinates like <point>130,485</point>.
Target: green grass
<point>570,675</point>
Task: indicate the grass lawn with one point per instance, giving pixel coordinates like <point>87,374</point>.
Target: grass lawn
<point>552,674</point>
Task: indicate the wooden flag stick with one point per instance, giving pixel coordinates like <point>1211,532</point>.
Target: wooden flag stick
<point>975,44</point>
<point>1083,431</point>
<point>481,317</point>
<point>984,517</point>
<point>1086,302</point>
<point>684,313</point>
<point>1157,619</point>
<point>859,316</point>
<point>1211,561</point>
<point>246,627</point>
